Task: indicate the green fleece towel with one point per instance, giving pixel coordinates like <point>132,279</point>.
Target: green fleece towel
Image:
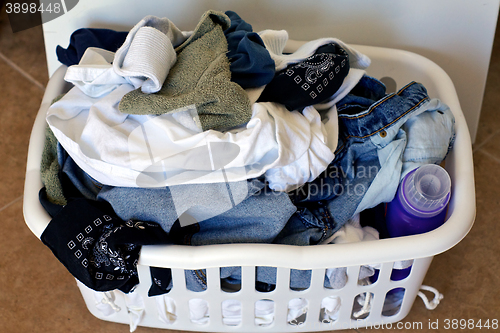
<point>49,166</point>
<point>200,77</point>
<point>49,170</point>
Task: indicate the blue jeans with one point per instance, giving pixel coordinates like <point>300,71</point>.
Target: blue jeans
<point>375,130</point>
<point>257,218</point>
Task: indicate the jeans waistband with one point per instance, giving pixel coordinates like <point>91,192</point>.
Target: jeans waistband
<point>382,113</point>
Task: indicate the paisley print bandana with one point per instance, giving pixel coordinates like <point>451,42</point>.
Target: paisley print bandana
<point>310,81</point>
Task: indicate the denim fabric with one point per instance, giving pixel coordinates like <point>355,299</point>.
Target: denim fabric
<point>257,218</point>
<point>428,135</point>
<point>426,146</point>
<point>369,157</point>
<point>310,225</point>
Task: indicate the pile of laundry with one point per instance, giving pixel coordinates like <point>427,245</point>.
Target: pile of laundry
<point>222,135</point>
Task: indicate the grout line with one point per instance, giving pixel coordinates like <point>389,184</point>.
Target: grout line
<point>11,203</point>
<point>476,148</point>
<point>493,157</point>
<point>20,70</point>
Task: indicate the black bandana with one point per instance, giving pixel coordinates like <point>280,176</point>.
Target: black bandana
<point>96,247</point>
<point>310,81</point>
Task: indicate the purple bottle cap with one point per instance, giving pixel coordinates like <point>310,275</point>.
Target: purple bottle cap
<point>426,190</point>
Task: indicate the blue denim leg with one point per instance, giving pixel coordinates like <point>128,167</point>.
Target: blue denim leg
<point>257,219</point>
<point>370,149</point>
<point>430,135</point>
<point>308,225</point>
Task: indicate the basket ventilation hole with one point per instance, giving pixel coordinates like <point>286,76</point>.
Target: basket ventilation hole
<point>362,306</point>
<point>330,307</point>
<point>167,309</point>
<point>230,281</point>
<point>400,274</point>
<point>300,279</point>
<point>231,312</point>
<point>392,303</point>
<point>199,311</point>
<point>270,272</point>
<point>335,278</point>
<point>196,280</point>
<point>297,311</point>
<point>264,312</point>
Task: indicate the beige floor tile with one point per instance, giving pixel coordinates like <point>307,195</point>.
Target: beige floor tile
<point>492,147</point>
<point>20,100</point>
<point>24,48</point>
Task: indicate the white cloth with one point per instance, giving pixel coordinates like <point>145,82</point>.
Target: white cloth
<point>94,74</point>
<point>153,151</point>
<point>330,307</point>
<point>231,311</point>
<point>147,54</point>
<point>135,308</point>
<point>316,158</point>
<point>144,60</point>
<point>351,232</point>
<point>275,42</point>
<point>198,311</point>
<point>297,307</point>
<point>105,302</point>
<point>167,311</point>
<point>264,312</point>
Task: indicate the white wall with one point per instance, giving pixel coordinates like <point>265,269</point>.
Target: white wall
<point>456,34</point>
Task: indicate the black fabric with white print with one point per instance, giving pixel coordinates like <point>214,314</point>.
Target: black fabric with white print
<point>161,279</point>
<point>96,247</point>
<point>311,81</point>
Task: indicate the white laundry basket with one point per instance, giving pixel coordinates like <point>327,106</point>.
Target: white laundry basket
<point>402,67</point>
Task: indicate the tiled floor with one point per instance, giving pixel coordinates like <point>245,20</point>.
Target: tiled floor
<point>38,295</point>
